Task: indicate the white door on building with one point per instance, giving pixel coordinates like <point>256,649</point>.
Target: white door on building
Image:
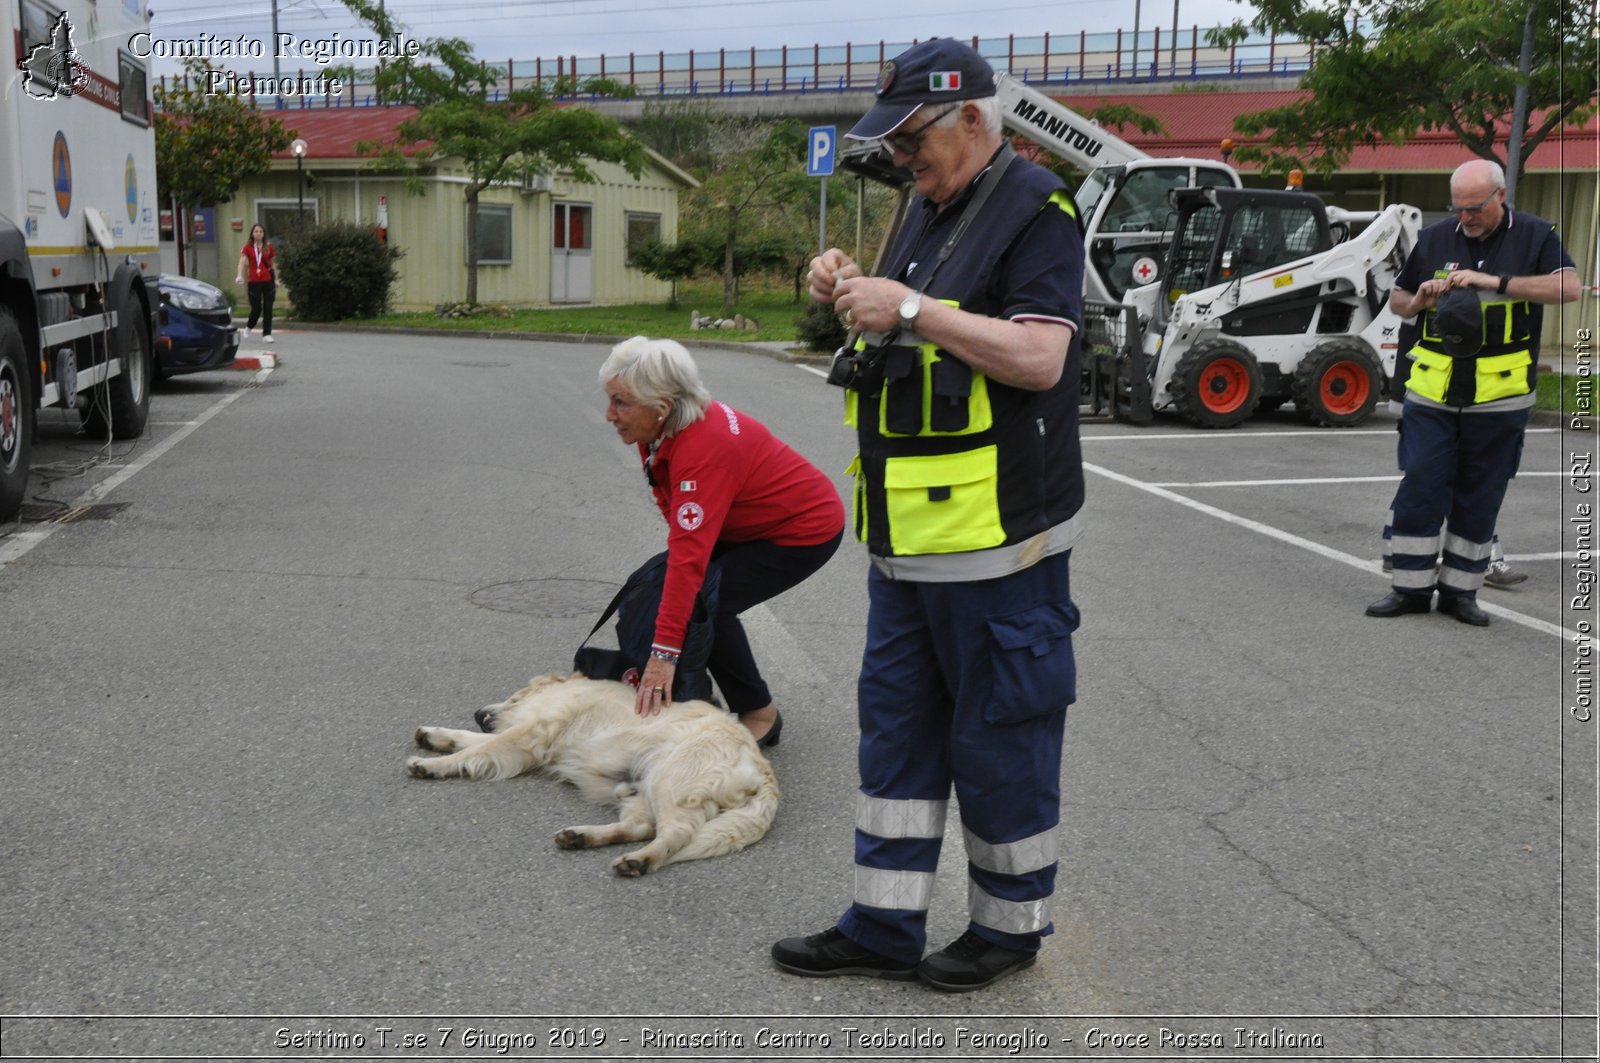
<point>571,255</point>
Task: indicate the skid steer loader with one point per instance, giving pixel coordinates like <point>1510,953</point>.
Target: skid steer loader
<point>1265,297</point>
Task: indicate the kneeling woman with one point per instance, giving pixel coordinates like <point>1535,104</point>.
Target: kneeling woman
<point>730,491</point>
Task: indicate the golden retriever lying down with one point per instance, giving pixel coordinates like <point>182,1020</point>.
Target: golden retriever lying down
<point>690,781</point>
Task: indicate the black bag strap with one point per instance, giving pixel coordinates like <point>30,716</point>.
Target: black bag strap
<point>616,603</point>
<point>629,585</point>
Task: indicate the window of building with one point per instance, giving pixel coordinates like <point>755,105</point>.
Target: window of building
<point>494,234</point>
<point>281,216</point>
<point>642,229</point>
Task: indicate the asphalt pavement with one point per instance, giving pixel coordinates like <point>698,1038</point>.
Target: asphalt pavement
<point>1289,830</point>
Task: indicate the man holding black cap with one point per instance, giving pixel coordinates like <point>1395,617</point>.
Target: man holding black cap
<point>963,390</point>
<point>1480,284</point>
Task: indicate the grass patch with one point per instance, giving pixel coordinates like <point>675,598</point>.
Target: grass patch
<point>1558,391</point>
<point>773,307</point>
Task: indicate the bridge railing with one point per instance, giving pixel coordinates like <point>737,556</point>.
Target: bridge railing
<point>1105,59</point>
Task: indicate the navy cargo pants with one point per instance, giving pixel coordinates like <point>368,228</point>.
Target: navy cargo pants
<point>963,684</point>
<point>1457,465</point>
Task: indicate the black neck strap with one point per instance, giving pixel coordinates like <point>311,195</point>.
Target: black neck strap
<point>986,187</point>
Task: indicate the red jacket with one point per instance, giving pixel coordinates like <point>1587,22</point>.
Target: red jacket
<point>260,263</point>
<point>727,478</point>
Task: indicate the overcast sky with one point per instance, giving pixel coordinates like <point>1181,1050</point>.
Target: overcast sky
<point>528,29</point>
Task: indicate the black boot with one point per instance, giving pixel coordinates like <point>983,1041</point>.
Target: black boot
<point>1398,603</point>
<point>1465,608</point>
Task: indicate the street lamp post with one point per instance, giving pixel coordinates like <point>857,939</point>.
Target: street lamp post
<point>298,149</point>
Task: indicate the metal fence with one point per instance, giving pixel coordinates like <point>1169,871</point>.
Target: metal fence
<point>1103,59</point>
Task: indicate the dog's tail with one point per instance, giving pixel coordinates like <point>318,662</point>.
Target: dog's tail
<point>739,826</point>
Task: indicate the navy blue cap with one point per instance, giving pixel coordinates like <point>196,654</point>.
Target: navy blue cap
<point>937,71</point>
<point>1458,321</point>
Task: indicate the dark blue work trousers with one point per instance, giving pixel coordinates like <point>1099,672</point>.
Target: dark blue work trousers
<point>963,684</point>
<point>1457,466</point>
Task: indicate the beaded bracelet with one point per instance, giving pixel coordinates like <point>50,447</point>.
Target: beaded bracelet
<point>663,655</point>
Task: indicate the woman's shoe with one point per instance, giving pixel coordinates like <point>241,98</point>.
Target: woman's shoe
<point>770,739</point>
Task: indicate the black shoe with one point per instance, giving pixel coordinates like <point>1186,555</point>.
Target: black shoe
<point>770,739</point>
<point>1398,603</point>
<point>1465,608</point>
<point>969,962</point>
<point>831,953</point>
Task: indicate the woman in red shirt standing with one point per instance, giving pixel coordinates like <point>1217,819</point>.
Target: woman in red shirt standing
<point>257,260</point>
<point>730,491</point>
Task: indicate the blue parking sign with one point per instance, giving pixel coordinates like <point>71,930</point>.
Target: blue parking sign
<point>819,156</point>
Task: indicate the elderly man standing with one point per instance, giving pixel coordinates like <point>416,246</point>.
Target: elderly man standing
<point>1480,284</point>
<point>964,396</point>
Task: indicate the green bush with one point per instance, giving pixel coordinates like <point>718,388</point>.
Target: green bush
<point>337,270</point>
<point>820,328</point>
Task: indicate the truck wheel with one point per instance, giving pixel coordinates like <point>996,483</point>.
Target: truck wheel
<point>16,417</point>
<point>1337,384</point>
<point>127,396</point>
<point>1217,384</point>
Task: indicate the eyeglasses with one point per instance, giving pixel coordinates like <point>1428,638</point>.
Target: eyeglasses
<point>911,143</point>
<point>1479,209</point>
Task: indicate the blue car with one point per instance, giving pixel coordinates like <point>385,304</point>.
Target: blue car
<point>197,331</point>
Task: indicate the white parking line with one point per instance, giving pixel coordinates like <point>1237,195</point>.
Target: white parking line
<point>18,544</point>
<point>1395,478</point>
<point>823,373</point>
<point>1364,565</point>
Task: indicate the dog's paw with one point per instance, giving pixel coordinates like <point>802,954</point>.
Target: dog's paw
<point>631,866</point>
<point>572,839</point>
<point>418,767</point>
<point>435,739</point>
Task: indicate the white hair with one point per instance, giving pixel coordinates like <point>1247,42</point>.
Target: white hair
<point>660,374</point>
<point>988,114</point>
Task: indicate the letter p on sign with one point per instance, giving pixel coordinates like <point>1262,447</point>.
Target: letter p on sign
<point>819,157</point>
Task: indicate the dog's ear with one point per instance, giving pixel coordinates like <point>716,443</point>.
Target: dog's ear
<point>539,682</point>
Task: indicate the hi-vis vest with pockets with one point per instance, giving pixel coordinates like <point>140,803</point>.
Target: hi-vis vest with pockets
<point>1501,370</point>
<point>951,461</point>
<point>1507,366</point>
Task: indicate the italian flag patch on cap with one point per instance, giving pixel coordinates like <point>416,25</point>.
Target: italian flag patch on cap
<point>944,81</point>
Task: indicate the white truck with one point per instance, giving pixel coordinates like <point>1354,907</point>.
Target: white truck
<point>1275,300</point>
<point>78,227</point>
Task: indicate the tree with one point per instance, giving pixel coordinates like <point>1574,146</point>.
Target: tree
<point>207,145</point>
<point>670,262</point>
<point>500,136</point>
<point>764,170</point>
<point>1386,70</point>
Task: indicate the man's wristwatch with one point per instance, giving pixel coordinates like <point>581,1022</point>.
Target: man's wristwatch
<point>910,307</point>
<point>1505,281</point>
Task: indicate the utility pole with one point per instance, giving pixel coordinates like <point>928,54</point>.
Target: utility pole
<point>277,74</point>
<point>1172,71</point>
<point>1519,109</point>
<point>1136,4</point>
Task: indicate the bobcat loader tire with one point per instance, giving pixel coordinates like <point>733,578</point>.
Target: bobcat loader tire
<point>1217,384</point>
<point>1337,384</point>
